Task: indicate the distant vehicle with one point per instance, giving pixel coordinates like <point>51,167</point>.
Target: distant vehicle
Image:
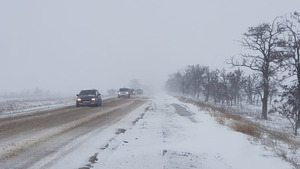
<point>124,92</point>
<point>139,92</point>
<point>90,97</point>
<point>132,91</point>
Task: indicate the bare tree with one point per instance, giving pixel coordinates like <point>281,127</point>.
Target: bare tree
<point>206,84</point>
<point>224,87</point>
<point>291,96</point>
<point>135,83</point>
<point>236,81</point>
<point>263,40</point>
<point>214,85</point>
<point>289,106</point>
<point>249,88</point>
<point>198,81</point>
<point>175,83</point>
<point>186,82</point>
<point>196,74</point>
<point>112,92</point>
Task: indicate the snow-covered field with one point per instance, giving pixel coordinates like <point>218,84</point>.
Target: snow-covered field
<point>20,105</point>
<point>166,134</point>
<point>15,106</point>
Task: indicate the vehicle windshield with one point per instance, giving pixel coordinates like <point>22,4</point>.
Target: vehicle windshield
<point>88,93</point>
<point>123,89</point>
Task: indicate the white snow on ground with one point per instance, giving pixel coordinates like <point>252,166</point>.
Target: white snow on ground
<point>17,106</point>
<point>275,120</point>
<point>165,134</point>
<point>21,105</point>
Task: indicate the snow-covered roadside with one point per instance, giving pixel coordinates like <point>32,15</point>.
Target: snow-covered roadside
<point>276,121</point>
<point>17,106</point>
<point>166,133</point>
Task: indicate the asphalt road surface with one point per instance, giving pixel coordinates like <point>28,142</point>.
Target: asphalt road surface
<point>26,139</point>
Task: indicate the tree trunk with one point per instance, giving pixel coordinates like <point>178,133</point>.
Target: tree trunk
<point>265,105</point>
<point>207,95</point>
<point>297,125</point>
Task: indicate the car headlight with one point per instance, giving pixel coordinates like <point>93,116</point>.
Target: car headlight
<point>93,99</point>
<point>79,99</point>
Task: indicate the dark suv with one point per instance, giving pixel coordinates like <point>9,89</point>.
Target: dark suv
<point>124,92</point>
<point>139,91</point>
<point>132,91</point>
<point>89,98</point>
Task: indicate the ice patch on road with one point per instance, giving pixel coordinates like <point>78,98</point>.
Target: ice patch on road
<point>183,111</point>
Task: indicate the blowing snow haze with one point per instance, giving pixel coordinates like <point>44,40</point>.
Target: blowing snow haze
<point>64,46</point>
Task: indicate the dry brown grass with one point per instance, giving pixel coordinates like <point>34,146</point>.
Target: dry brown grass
<point>221,120</point>
<point>246,128</point>
<point>221,115</point>
<point>203,105</point>
<point>277,135</point>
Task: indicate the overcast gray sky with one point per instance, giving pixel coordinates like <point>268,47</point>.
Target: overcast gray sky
<point>67,45</point>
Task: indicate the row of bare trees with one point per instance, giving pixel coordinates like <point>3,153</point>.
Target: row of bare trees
<point>219,86</point>
<point>273,57</point>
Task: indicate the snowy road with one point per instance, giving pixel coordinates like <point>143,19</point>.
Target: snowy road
<point>157,133</point>
<point>34,139</point>
<point>165,133</point>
